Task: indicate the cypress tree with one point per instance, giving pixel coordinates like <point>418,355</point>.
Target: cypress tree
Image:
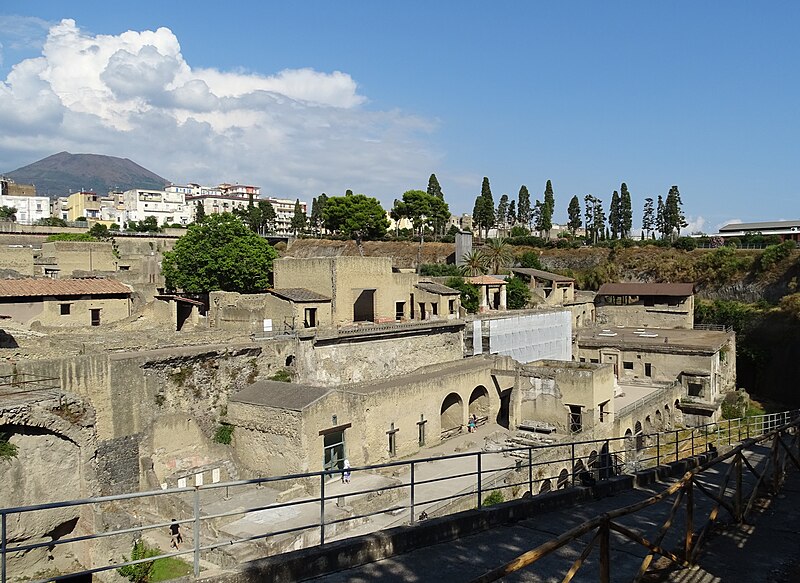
<point>524,207</point>
<point>433,187</point>
<point>648,218</point>
<point>625,211</point>
<point>512,213</point>
<point>548,206</point>
<point>574,214</point>
<point>613,215</point>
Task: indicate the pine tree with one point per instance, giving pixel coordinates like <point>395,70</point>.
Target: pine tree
<point>433,187</point>
<point>599,217</point>
<point>588,201</point>
<point>317,206</point>
<point>674,219</point>
<point>548,206</point>
<point>574,215</point>
<point>625,211</point>
<point>512,213</point>
<point>538,224</point>
<point>648,218</point>
<point>524,207</point>
<point>502,212</point>
<point>200,212</point>
<point>613,216</point>
<point>661,222</point>
<point>299,218</point>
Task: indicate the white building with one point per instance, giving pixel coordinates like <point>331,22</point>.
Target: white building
<point>29,208</point>
<point>284,213</point>
<point>217,200</point>
<point>167,207</point>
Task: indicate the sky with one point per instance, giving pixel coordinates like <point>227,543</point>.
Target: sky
<point>318,96</point>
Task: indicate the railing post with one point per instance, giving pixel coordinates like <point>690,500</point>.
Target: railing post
<point>413,513</point>
<point>729,431</point>
<point>692,442</point>
<point>658,449</point>
<point>677,444</point>
<point>737,503</point>
<point>196,531</point>
<point>530,470</point>
<point>322,508</point>
<point>605,551</point>
<point>480,486</point>
<point>3,518</point>
<point>572,467</point>
<point>687,544</point>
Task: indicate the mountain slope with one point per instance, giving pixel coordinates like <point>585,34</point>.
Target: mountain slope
<point>62,173</point>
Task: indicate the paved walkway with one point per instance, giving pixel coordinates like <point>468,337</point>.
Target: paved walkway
<point>768,551</point>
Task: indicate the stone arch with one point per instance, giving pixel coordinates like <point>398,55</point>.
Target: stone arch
<point>577,469</point>
<point>593,463</point>
<point>659,423</point>
<point>667,417</point>
<point>639,434</point>
<point>452,412</point>
<point>545,487</point>
<point>677,416</point>
<point>479,402</point>
<point>563,479</point>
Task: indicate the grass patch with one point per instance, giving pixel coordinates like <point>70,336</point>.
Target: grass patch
<point>169,568</point>
<point>496,497</point>
<point>224,434</point>
<point>7,450</point>
<point>180,376</point>
<point>283,376</point>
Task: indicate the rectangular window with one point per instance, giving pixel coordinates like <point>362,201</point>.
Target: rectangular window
<point>451,306</point>
<point>627,365</point>
<point>310,318</point>
<point>583,359</point>
<point>575,419</point>
<point>392,441</point>
<point>422,310</point>
<point>435,309</point>
<point>603,411</point>
<point>421,426</point>
<point>399,310</point>
<point>594,360</point>
<point>695,390</point>
<point>648,369</point>
<point>95,314</point>
<point>65,308</point>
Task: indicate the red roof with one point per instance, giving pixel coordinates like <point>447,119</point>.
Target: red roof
<point>15,288</point>
<point>484,280</point>
<point>646,289</point>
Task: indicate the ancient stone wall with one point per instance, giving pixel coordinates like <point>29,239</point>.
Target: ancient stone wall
<point>118,465</point>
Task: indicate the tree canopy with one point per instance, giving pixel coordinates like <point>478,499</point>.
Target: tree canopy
<point>299,218</point>
<point>355,215</point>
<point>574,214</point>
<point>220,253</point>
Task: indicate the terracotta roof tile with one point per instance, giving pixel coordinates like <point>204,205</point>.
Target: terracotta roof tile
<point>484,280</point>
<point>15,288</point>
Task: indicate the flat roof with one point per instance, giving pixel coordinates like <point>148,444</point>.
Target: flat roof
<point>299,294</point>
<point>542,274</point>
<point>646,289</point>
<point>437,288</point>
<point>653,339</point>
<point>16,288</point>
<point>279,395</point>
<point>759,226</point>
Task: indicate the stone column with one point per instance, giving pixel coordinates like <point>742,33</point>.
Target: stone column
<point>484,290</point>
<point>503,297</point>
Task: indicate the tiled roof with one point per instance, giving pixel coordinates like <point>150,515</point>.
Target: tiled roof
<point>484,280</point>
<point>542,274</point>
<point>299,294</point>
<point>437,288</point>
<point>646,289</point>
<point>15,288</point>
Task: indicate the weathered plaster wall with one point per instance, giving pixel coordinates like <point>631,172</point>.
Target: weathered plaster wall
<point>17,258</point>
<point>268,441</point>
<point>641,316</point>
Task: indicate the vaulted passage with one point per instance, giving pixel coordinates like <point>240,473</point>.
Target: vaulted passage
<point>452,415</point>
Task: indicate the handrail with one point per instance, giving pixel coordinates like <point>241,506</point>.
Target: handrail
<point>559,463</point>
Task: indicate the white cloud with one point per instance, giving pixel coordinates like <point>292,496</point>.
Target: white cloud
<point>295,133</point>
<point>694,225</point>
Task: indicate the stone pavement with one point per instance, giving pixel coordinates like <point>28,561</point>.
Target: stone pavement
<point>768,551</point>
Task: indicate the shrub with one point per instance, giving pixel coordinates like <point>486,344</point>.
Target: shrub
<point>140,572</point>
<point>519,231</point>
<point>81,237</point>
<point>496,497</point>
<point>283,376</point>
<point>775,254</point>
<point>439,270</point>
<point>469,293</point>
<point>518,293</point>
<point>7,450</point>
<point>685,243</point>
<point>530,260</point>
<point>224,433</point>
<point>791,305</point>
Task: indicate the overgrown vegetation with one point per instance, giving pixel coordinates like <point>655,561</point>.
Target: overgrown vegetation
<point>518,294</point>
<point>140,572</point>
<point>7,449</point>
<point>180,376</point>
<point>496,497</point>
<point>79,237</point>
<point>469,293</point>
<point>282,376</point>
<point>224,433</point>
<point>439,270</point>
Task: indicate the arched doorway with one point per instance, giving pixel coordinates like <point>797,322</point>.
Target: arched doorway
<point>593,463</point>
<point>545,487</point>
<point>563,479</point>
<point>479,402</point>
<point>639,434</point>
<point>630,454</point>
<point>452,413</point>
<point>659,421</point>
<point>667,417</point>
<point>677,414</point>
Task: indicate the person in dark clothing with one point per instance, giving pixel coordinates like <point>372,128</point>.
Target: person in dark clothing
<point>175,535</point>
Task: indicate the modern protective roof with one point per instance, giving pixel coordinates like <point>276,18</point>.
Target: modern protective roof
<point>15,288</point>
<point>299,294</point>
<point>437,288</point>
<point>542,274</point>
<point>759,226</point>
<point>646,289</point>
<point>279,395</point>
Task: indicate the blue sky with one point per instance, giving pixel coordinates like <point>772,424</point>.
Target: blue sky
<point>700,94</point>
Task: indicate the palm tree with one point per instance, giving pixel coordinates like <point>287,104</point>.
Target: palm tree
<point>497,253</point>
<point>474,263</point>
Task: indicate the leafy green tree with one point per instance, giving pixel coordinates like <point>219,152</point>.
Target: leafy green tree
<point>220,253</point>
<point>99,231</point>
<point>530,260</point>
<point>498,254</point>
<point>299,218</point>
<point>614,221</point>
<point>548,206</point>
<point>356,216</point>
<point>317,206</point>
<point>598,219</point>
<point>574,215</point>
<point>469,293</point>
<point>538,218</point>
<point>199,212</point>
<point>518,294</point>
<point>524,206</point>
<point>434,189</point>
<point>648,218</point>
<point>148,225</point>
<point>625,211</point>
<point>519,231</point>
<point>8,213</point>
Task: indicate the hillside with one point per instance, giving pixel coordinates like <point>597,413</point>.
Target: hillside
<point>62,173</point>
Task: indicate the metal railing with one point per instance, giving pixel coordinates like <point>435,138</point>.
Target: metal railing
<point>415,494</point>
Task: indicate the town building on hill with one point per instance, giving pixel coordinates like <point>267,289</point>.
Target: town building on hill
<point>786,230</point>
